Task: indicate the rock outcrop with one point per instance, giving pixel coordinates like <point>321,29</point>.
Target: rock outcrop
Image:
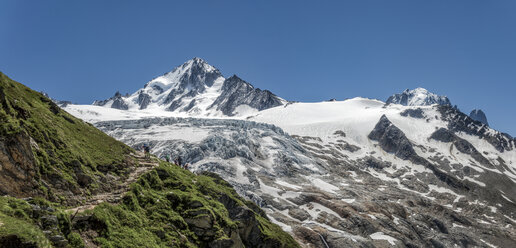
<point>418,97</point>
<point>237,92</point>
<point>478,115</point>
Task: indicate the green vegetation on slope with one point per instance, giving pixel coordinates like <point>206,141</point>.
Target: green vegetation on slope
<point>171,207</point>
<point>69,153</point>
<point>18,225</point>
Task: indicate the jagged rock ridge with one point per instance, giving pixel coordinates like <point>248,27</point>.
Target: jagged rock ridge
<point>478,115</point>
<point>196,88</point>
<point>417,97</point>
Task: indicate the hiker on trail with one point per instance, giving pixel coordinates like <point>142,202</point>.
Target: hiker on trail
<point>146,149</point>
<point>167,158</point>
<point>186,166</point>
<point>179,161</point>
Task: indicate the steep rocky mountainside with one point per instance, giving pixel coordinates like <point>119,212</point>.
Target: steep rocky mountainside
<point>195,88</point>
<point>64,183</point>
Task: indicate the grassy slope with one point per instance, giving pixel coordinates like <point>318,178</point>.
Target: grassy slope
<point>161,201</point>
<point>66,144</point>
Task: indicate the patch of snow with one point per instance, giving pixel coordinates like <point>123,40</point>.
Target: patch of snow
<point>396,220</point>
<point>381,236</point>
<point>283,183</point>
<point>372,216</point>
<point>457,225</point>
<point>319,183</point>
<point>488,244</point>
<point>475,181</point>
<point>505,197</point>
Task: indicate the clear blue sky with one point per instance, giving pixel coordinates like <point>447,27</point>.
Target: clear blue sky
<point>300,50</point>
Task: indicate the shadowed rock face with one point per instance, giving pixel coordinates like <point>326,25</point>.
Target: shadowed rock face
<point>118,102</point>
<point>236,92</point>
<point>143,100</point>
<point>460,122</point>
<point>414,113</point>
<point>392,139</point>
<point>17,170</point>
<point>444,135</point>
<point>479,115</point>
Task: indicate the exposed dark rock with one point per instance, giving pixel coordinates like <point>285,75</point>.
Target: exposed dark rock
<point>118,102</point>
<point>478,115</point>
<point>340,133</point>
<point>462,145</point>
<point>17,166</point>
<point>460,122</point>
<point>143,100</point>
<point>374,163</point>
<point>414,113</point>
<point>443,135</point>
<point>236,92</point>
<point>299,214</point>
<point>392,139</point>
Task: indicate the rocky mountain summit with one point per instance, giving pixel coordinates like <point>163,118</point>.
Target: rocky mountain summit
<point>196,88</point>
<point>418,97</point>
<point>478,115</point>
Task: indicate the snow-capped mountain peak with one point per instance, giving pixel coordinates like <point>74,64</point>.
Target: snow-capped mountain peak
<point>196,88</point>
<point>418,97</point>
<point>193,74</point>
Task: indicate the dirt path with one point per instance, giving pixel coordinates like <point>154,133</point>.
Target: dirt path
<point>144,165</point>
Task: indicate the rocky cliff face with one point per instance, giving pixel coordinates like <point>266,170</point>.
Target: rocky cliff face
<point>17,170</point>
<point>116,102</point>
<point>236,92</point>
<point>478,115</point>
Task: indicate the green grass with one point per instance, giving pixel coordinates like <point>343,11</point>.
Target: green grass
<point>66,144</point>
<point>15,219</point>
<point>153,213</point>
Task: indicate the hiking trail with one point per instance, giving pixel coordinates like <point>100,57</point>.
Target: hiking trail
<point>144,165</point>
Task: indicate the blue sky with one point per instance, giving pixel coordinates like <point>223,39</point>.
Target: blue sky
<point>300,50</point>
